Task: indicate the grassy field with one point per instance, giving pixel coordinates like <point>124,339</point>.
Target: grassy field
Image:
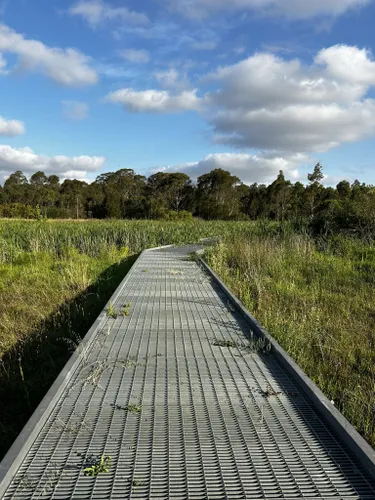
<point>317,299</point>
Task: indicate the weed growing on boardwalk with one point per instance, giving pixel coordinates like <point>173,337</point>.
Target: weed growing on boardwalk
<point>129,362</point>
<point>111,311</point>
<point>269,392</point>
<point>175,272</point>
<point>136,482</point>
<point>72,428</point>
<point>131,408</point>
<point>258,345</point>
<point>96,371</point>
<point>51,482</point>
<point>253,346</point>
<point>102,465</point>
<point>125,311</point>
<point>224,343</point>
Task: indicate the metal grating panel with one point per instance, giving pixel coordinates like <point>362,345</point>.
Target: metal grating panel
<point>208,422</point>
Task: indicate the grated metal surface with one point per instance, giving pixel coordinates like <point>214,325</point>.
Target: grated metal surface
<point>208,422</point>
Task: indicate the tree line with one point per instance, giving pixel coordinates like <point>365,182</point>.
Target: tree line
<point>216,195</point>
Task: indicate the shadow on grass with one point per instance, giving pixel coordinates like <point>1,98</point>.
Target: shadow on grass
<point>29,369</point>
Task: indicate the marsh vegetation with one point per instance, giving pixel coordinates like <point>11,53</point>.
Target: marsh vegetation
<point>314,294</point>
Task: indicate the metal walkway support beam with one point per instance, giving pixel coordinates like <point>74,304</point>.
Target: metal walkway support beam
<point>170,396</point>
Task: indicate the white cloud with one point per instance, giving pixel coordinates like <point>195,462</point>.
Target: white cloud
<point>11,128</point>
<point>155,101</point>
<point>295,9</point>
<point>74,110</point>
<point>296,128</point>
<point>97,12</point>
<point>25,159</point>
<point>261,168</point>
<point>204,45</point>
<point>270,103</point>
<point>135,56</point>
<point>68,67</point>
<point>265,80</point>
<point>348,64</point>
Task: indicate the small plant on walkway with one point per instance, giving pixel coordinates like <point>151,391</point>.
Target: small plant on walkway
<point>258,345</point>
<point>102,465</point>
<point>224,343</point>
<point>270,392</point>
<point>125,311</point>
<point>175,272</point>
<point>111,311</point>
<point>132,408</point>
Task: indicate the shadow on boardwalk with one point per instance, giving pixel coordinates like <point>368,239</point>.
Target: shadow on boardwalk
<point>29,369</point>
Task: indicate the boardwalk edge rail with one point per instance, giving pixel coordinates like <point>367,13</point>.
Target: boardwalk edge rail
<point>14,457</point>
<point>340,424</point>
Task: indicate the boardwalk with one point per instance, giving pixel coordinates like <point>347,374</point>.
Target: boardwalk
<point>179,404</point>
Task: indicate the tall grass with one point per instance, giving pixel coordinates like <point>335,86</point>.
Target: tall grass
<point>94,237</point>
<point>318,300</point>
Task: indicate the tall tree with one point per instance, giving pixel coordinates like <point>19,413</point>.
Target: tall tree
<point>123,192</point>
<point>279,197</point>
<point>38,179</point>
<point>314,189</point>
<point>15,188</point>
<point>217,196</point>
<point>73,197</point>
<point>171,191</point>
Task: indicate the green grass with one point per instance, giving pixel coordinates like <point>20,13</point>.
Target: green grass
<point>318,301</point>
<point>92,238</point>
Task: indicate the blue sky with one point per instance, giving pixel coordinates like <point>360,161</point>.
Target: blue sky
<point>252,86</point>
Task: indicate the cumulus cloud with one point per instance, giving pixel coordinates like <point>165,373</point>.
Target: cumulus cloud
<point>261,168</point>
<point>75,110</point>
<point>137,56</point>
<point>270,103</point>
<point>11,128</point>
<point>348,64</point>
<point>25,159</point>
<point>97,12</point>
<point>295,9</point>
<point>68,67</point>
<point>296,128</point>
<point>155,101</point>
<point>265,80</point>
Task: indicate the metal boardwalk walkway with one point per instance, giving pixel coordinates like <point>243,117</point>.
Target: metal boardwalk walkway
<point>180,416</point>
